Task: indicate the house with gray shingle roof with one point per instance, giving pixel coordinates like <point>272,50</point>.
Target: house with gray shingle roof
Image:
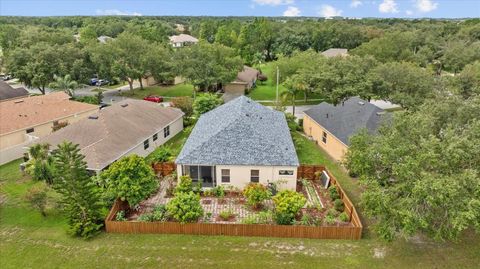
<point>332,126</point>
<point>238,143</point>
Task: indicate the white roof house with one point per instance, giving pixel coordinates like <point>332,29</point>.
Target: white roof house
<point>182,40</point>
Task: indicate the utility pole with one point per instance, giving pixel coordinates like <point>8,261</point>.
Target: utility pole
<point>278,77</point>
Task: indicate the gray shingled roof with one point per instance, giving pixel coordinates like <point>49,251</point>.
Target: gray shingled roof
<point>348,118</point>
<point>8,92</point>
<point>241,132</point>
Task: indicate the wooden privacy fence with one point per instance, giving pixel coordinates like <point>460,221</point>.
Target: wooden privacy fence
<point>308,171</point>
<point>353,232</point>
<point>164,169</point>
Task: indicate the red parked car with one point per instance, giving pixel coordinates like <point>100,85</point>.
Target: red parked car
<point>154,98</point>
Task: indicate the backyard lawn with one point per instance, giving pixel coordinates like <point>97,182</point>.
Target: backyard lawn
<point>267,90</point>
<point>181,89</point>
<point>29,240</point>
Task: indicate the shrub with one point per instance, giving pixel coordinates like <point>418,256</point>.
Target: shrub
<point>300,124</point>
<point>131,179</point>
<point>333,193</point>
<point>206,102</point>
<point>184,103</point>
<point>330,220</point>
<point>263,217</point>
<point>226,214</point>
<point>288,203</point>
<point>283,218</point>
<point>161,154</point>
<point>344,217</point>
<point>184,186</point>
<point>37,197</point>
<point>185,207</point>
<point>218,191</point>
<point>120,216</point>
<point>339,206</point>
<point>292,124</point>
<point>159,213</point>
<point>256,193</point>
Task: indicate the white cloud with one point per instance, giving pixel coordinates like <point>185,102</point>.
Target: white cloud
<point>292,12</point>
<point>355,3</point>
<point>115,12</point>
<point>388,6</point>
<point>273,2</point>
<point>328,11</point>
<point>409,12</point>
<point>425,5</point>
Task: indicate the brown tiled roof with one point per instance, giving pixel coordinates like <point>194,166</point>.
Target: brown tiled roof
<point>8,92</point>
<point>247,75</point>
<point>117,130</point>
<point>23,113</point>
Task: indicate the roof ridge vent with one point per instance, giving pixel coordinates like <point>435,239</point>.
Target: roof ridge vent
<point>124,105</point>
<point>361,103</point>
<point>93,117</point>
<point>18,101</point>
<point>380,113</point>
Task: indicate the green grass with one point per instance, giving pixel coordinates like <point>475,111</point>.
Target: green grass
<point>267,89</point>
<point>165,91</point>
<point>28,240</point>
<point>175,144</point>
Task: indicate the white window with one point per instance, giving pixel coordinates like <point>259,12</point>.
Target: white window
<point>324,137</point>
<point>166,131</point>
<point>146,144</point>
<point>225,175</point>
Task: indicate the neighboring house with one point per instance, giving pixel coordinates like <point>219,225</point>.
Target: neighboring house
<point>335,53</point>
<point>244,82</point>
<point>125,128</point>
<point>238,143</point>
<point>26,119</point>
<point>150,81</point>
<point>182,40</point>
<point>7,92</point>
<point>331,126</point>
<point>104,39</point>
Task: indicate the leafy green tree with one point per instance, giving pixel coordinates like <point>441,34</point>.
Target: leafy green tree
<point>458,53</point>
<point>206,102</point>
<point>80,195</point>
<point>185,185</point>
<point>131,179</point>
<point>185,207</point>
<point>468,81</point>
<point>402,83</point>
<point>40,166</point>
<point>208,65</point>
<point>185,103</point>
<point>256,194</point>
<point>65,84</point>
<point>422,179</point>
<point>288,203</point>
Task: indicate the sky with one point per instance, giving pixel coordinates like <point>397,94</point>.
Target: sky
<point>310,8</point>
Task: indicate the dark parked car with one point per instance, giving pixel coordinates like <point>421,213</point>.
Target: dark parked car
<point>93,81</point>
<point>154,98</point>
<point>102,82</point>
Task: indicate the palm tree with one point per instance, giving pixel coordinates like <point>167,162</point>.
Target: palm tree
<point>40,165</point>
<point>294,85</point>
<point>65,84</point>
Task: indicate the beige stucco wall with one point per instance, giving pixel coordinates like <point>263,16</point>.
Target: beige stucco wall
<point>148,81</point>
<point>334,147</point>
<point>240,175</point>
<point>11,144</point>
<point>41,130</point>
<point>235,88</point>
<point>175,128</point>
